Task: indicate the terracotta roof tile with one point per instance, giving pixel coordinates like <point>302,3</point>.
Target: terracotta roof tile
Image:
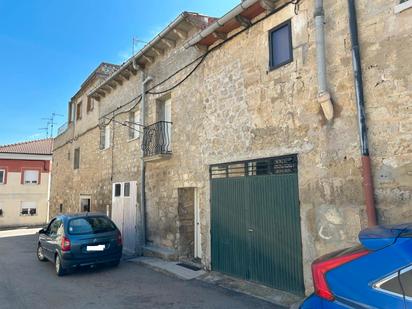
<point>42,147</point>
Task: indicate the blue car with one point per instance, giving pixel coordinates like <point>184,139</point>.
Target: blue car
<point>84,239</point>
<point>375,274</point>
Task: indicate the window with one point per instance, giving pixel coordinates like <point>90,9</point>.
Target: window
<point>28,209</point>
<point>117,189</point>
<point>127,189</point>
<point>55,228</point>
<point>90,104</point>
<point>134,129</point>
<point>90,225</point>
<point>76,158</point>
<point>71,112</point>
<point>105,137</point>
<point>397,285</point>
<point>85,204</point>
<point>31,177</point>
<point>79,111</point>
<point>280,45</point>
<point>2,176</point>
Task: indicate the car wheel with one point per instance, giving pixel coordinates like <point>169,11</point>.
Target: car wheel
<point>60,271</point>
<point>40,253</point>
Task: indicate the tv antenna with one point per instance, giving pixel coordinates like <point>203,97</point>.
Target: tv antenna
<point>51,123</point>
<point>135,42</point>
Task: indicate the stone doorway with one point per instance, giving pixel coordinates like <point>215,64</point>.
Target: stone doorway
<point>186,213</point>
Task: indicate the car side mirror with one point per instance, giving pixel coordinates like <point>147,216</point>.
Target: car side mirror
<point>42,231</point>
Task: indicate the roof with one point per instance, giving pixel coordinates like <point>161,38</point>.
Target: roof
<point>104,70</point>
<point>240,16</point>
<point>37,147</point>
<point>165,39</point>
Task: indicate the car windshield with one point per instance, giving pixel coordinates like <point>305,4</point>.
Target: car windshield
<point>90,225</point>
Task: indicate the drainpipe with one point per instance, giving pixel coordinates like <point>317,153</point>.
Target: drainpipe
<point>323,94</point>
<point>146,80</point>
<point>360,104</point>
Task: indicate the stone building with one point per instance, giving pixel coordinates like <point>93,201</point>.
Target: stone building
<point>241,165</point>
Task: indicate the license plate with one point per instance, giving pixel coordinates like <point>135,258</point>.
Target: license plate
<point>95,248</point>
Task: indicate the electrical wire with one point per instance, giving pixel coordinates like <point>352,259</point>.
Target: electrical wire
<point>201,58</point>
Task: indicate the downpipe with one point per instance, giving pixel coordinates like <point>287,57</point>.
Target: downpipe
<point>146,80</point>
<point>367,180</point>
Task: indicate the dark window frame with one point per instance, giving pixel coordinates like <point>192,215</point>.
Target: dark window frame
<point>272,67</point>
<point>126,189</point>
<point>118,190</point>
<point>76,159</point>
<point>4,177</point>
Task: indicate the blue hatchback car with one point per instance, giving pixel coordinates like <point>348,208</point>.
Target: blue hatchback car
<point>375,274</point>
<point>83,239</point>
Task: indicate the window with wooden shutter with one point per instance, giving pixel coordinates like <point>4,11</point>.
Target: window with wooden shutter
<point>76,158</point>
<point>79,111</point>
<point>131,125</point>
<point>107,137</point>
<point>90,104</point>
<point>102,137</point>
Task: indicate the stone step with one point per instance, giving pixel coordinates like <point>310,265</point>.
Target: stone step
<point>160,252</point>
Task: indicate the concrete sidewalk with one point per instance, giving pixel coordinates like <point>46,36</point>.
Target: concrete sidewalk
<point>279,298</point>
<point>18,232</point>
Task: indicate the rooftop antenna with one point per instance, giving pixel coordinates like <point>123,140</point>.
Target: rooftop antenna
<point>46,128</point>
<point>51,123</point>
<point>135,42</point>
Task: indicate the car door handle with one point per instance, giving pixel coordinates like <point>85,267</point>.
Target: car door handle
<point>251,230</point>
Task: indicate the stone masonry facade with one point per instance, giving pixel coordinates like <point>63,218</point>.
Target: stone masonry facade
<point>234,108</point>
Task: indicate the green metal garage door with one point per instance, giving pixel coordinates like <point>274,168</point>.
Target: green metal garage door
<point>256,222</point>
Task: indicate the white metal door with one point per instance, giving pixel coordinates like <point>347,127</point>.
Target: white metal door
<point>117,208</point>
<point>124,210</point>
<point>129,219</point>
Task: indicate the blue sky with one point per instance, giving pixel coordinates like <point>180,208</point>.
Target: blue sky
<point>48,48</point>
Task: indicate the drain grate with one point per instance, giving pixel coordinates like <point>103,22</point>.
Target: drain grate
<point>191,267</point>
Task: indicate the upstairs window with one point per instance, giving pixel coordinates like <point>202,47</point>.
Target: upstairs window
<point>28,209</point>
<point>134,129</point>
<point>79,111</point>
<point>90,104</point>
<point>280,45</point>
<point>76,159</point>
<point>31,177</point>
<point>105,137</point>
<point>72,112</point>
<point>2,176</point>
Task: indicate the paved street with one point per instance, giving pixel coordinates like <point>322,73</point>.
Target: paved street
<point>27,283</point>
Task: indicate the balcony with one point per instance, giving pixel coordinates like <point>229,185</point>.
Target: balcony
<point>157,141</point>
<point>62,129</point>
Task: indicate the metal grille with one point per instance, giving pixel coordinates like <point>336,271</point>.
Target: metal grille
<point>268,166</point>
<point>157,139</point>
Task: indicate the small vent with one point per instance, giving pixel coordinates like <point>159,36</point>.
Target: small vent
<point>268,166</point>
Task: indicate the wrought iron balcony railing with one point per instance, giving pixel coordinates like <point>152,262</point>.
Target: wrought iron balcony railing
<point>157,139</point>
<point>62,128</point>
